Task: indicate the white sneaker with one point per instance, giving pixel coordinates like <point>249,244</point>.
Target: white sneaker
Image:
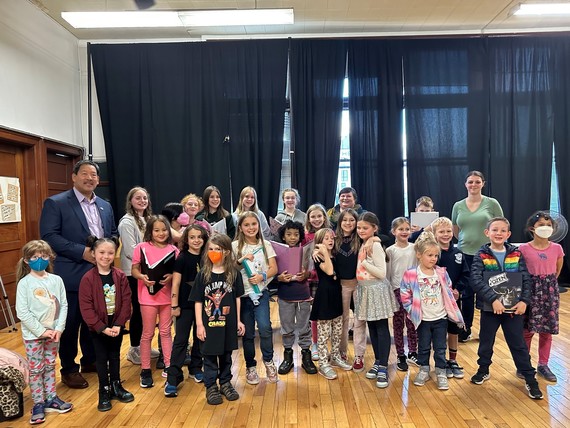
<point>314,352</point>
<point>134,355</point>
<point>251,375</point>
<point>154,353</point>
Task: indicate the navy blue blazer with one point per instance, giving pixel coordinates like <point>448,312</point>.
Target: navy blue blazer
<point>64,226</point>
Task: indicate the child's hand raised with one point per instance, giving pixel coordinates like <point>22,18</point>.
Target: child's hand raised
<point>241,329</point>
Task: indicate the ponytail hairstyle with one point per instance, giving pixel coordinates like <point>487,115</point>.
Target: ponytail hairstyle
<point>398,221</point>
<point>230,271</point>
<point>425,241</point>
<point>28,251</point>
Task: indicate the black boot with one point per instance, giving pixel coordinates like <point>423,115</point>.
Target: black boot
<point>120,393</point>
<point>307,362</point>
<point>104,399</point>
<point>287,363</point>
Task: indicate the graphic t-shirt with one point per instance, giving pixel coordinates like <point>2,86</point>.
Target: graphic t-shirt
<point>219,311</point>
<point>109,292</point>
<point>431,298</point>
<point>188,266</point>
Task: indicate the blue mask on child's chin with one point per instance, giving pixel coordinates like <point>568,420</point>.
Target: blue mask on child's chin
<point>38,265</point>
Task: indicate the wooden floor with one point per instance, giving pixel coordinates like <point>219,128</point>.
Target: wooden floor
<point>352,400</point>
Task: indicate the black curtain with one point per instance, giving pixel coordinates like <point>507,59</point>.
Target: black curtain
<point>561,100</point>
<point>521,126</point>
<point>446,104</point>
<point>317,72</point>
<point>167,108</point>
<point>375,110</point>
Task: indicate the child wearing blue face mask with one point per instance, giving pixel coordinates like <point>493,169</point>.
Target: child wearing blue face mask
<point>41,305</point>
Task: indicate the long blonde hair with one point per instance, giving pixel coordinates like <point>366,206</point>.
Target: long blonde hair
<point>28,251</point>
<point>225,243</point>
<point>240,209</point>
<point>240,237</point>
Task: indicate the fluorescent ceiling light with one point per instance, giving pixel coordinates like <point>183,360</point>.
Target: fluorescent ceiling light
<point>223,17</point>
<point>193,18</point>
<point>526,9</point>
<point>122,19</point>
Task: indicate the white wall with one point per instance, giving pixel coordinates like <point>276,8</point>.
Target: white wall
<point>40,89</point>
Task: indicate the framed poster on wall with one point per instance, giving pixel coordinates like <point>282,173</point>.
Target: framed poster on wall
<point>10,204</point>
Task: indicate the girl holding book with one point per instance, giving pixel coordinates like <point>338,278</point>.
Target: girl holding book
<point>214,210</point>
<point>152,267</point>
<point>256,258</point>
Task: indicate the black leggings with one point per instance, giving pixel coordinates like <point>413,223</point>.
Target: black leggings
<point>107,357</point>
<point>380,338</point>
<point>135,325</point>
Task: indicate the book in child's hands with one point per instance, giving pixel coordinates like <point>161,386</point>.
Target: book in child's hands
<point>255,266</point>
<point>274,226</point>
<point>220,227</point>
<point>506,285</point>
<point>288,258</point>
<point>157,270</point>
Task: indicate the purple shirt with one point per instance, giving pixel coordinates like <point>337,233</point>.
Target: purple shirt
<point>91,211</point>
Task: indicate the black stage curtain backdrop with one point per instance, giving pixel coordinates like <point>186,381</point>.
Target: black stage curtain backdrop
<point>167,108</point>
<point>561,98</point>
<point>521,127</point>
<point>317,72</point>
<point>446,102</point>
<point>375,108</point>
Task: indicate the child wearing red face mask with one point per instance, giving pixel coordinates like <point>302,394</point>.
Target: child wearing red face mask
<point>215,294</point>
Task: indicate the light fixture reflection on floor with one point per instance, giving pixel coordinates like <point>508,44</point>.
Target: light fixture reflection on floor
<point>533,9</point>
<point>190,18</point>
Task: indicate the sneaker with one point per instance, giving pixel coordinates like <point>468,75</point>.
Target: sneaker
<point>533,390</point>
<point>464,336</point>
<point>546,373</point>
<point>134,355</point>
<point>520,375</point>
<point>413,359</point>
<point>480,377</point>
<point>454,370</point>
<point>57,405</point>
<point>170,390</point>
<point>154,353</point>
<point>146,379</point>
<point>251,375</point>
<point>315,352</point>
<point>213,396</point>
<point>402,363</point>
<point>198,377</point>
<point>337,361</point>
<point>373,372</point>
<point>271,371</point>
<point>344,357</point>
<point>164,373</point>
<point>229,391</point>
<point>441,378</point>
<point>422,377</point>
<point>327,371</point>
<point>382,378</point>
<point>358,364</point>
<point>38,415</point>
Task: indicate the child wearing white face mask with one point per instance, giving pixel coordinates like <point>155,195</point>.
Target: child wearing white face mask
<point>544,261</point>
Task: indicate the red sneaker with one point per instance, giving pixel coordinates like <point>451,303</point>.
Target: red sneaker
<point>358,364</point>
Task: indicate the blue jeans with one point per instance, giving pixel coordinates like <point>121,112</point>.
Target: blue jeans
<point>251,314</point>
<point>432,332</point>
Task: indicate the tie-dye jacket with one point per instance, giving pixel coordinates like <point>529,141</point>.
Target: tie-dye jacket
<point>412,301</point>
<point>485,260</point>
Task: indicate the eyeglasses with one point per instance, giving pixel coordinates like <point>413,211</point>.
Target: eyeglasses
<point>34,258</point>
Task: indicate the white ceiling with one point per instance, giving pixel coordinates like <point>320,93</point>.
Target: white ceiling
<point>326,18</point>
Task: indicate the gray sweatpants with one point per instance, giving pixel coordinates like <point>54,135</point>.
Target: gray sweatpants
<point>294,317</point>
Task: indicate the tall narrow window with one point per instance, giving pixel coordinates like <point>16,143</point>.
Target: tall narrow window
<point>344,160</point>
